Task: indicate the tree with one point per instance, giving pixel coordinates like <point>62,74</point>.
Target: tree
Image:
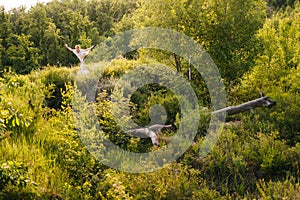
<point>17,20</point>
<point>105,13</point>
<point>52,43</point>
<point>49,26</point>
<point>5,30</point>
<point>226,29</point>
<point>277,4</point>
<point>276,72</point>
<point>23,57</point>
<point>37,25</point>
<point>230,28</point>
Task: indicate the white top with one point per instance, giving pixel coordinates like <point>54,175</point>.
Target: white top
<point>81,54</point>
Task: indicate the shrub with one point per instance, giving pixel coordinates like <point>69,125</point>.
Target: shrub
<point>172,182</point>
<point>15,173</point>
<point>288,189</point>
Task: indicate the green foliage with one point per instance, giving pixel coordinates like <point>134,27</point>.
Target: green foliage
<point>240,159</point>
<point>272,157</point>
<point>21,100</point>
<point>288,189</point>
<point>42,155</point>
<point>172,182</point>
<point>57,78</point>
<point>35,38</point>
<point>14,173</point>
<point>23,56</point>
<point>226,29</point>
<point>279,4</point>
<point>57,161</point>
<point>150,95</point>
<point>277,73</point>
<point>226,167</point>
<point>35,145</point>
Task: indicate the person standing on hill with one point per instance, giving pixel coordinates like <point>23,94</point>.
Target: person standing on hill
<point>80,53</point>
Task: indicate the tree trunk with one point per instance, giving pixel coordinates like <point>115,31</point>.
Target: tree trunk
<point>177,62</point>
<point>250,105</point>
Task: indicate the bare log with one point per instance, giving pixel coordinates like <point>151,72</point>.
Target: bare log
<point>263,101</point>
<point>152,131</point>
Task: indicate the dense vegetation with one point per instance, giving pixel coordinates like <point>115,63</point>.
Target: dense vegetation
<point>254,43</point>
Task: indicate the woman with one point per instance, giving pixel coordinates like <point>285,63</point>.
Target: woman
<point>80,53</point>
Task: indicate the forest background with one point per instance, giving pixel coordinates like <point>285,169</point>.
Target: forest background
<point>256,46</point>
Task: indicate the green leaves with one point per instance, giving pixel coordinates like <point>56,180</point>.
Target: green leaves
<point>22,55</point>
<point>35,38</point>
<point>14,173</point>
<point>256,157</point>
<point>226,29</point>
<point>277,72</point>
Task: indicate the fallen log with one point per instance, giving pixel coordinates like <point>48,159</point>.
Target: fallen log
<point>263,101</point>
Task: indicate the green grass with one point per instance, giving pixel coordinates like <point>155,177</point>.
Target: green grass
<point>45,159</point>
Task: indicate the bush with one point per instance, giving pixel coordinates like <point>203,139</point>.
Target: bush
<point>56,79</point>
<point>13,173</point>
<point>288,189</point>
<point>172,182</point>
<point>277,74</point>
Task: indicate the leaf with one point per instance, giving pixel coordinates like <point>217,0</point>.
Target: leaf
<point>17,121</point>
<point>4,113</point>
<point>27,123</point>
